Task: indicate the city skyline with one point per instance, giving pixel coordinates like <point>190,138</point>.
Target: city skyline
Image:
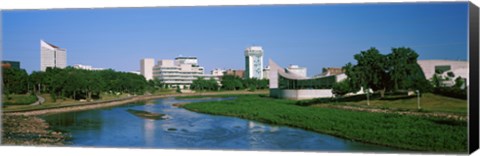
<point>305,35</point>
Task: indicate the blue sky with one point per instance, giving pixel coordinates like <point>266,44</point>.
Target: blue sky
<point>313,36</point>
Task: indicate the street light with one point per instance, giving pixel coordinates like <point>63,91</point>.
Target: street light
<point>418,99</point>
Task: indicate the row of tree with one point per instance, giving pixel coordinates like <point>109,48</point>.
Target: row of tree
<point>73,83</point>
<point>392,72</point>
<point>229,82</point>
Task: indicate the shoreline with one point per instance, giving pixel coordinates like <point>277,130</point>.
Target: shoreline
<point>114,102</point>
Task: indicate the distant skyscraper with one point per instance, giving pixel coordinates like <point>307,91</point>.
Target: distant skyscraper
<point>146,68</point>
<point>52,56</point>
<point>254,62</point>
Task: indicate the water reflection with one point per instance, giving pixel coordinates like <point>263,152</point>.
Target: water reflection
<point>115,127</point>
<point>149,127</point>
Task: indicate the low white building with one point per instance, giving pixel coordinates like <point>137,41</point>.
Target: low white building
<point>217,72</point>
<point>447,69</point>
<point>302,71</point>
<point>266,72</point>
<point>285,83</point>
<point>86,67</point>
<point>180,72</point>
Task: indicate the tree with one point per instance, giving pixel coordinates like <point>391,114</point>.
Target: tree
<point>460,83</point>
<point>373,66</point>
<point>341,88</point>
<point>231,82</point>
<point>404,71</point>
<point>15,81</point>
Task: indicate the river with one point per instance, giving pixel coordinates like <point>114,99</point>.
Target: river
<point>116,127</point>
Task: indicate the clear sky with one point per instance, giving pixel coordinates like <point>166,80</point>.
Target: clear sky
<point>313,36</point>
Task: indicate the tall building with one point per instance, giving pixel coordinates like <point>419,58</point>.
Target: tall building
<point>52,56</point>
<point>146,68</point>
<point>254,62</point>
<point>179,72</point>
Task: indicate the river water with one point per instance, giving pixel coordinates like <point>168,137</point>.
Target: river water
<point>116,127</point>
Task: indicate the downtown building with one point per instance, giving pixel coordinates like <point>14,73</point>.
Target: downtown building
<point>448,70</point>
<point>86,67</point>
<point>292,82</point>
<point>52,56</point>
<point>254,62</point>
<point>179,72</point>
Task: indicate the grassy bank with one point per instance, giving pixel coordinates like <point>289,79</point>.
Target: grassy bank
<point>401,131</point>
<point>428,102</point>
<point>18,99</point>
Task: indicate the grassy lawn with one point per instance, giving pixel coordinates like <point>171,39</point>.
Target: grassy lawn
<point>18,99</point>
<point>49,103</point>
<point>401,131</point>
<point>429,102</point>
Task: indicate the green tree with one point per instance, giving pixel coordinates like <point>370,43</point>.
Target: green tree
<point>373,66</point>
<point>404,71</point>
<point>15,81</point>
<point>341,88</point>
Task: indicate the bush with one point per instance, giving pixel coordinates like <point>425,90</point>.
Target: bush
<point>451,92</point>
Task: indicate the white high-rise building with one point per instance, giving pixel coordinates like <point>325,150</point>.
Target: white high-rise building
<point>52,56</point>
<point>254,62</point>
<point>146,68</point>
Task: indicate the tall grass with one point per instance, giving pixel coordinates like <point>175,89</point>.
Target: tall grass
<point>401,131</point>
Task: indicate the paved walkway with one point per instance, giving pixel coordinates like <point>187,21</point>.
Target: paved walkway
<point>39,101</point>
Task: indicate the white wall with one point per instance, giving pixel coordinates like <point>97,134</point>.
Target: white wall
<point>301,94</point>
<point>146,68</point>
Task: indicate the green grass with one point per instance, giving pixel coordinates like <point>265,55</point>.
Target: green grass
<point>61,102</point>
<point>428,102</point>
<point>394,130</point>
<point>18,99</point>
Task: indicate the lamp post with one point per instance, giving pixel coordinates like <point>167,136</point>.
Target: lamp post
<point>418,99</point>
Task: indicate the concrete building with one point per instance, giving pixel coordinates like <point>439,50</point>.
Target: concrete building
<point>146,68</point>
<point>290,85</point>
<point>330,71</point>
<point>136,72</point>
<point>239,73</point>
<point>266,72</point>
<point>254,62</point>
<point>217,72</point>
<point>52,56</point>
<point>301,71</point>
<point>180,72</point>
<point>447,69</point>
<point>86,67</point>
<point>10,64</point>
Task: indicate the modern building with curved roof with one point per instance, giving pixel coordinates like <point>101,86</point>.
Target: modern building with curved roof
<point>290,85</point>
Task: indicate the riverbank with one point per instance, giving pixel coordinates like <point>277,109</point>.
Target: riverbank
<point>29,130</point>
<point>41,110</point>
<point>417,133</point>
